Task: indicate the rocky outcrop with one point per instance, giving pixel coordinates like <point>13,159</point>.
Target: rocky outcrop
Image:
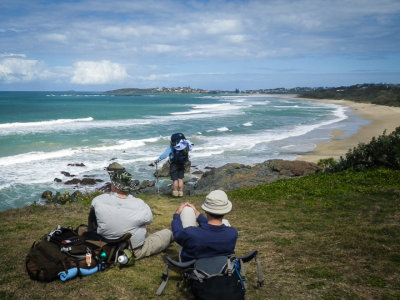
<point>235,176</point>
<point>228,177</point>
<point>84,181</point>
<point>164,170</point>
<point>73,181</point>
<point>293,168</point>
<point>47,194</point>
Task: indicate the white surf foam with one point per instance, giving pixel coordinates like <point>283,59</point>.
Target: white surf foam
<point>213,109</point>
<point>239,142</point>
<point>35,156</point>
<point>17,125</point>
<point>126,144</point>
<point>69,125</point>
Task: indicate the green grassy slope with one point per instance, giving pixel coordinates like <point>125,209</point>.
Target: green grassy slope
<point>325,236</point>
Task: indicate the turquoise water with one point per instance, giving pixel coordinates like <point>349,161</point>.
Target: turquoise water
<point>42,132</point>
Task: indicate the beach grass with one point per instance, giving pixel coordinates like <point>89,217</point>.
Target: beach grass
<point>324,236</point>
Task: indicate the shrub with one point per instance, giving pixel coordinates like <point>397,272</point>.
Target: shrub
<point>383,151</point>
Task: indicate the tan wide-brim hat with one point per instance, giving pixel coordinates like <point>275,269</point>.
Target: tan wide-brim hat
<point>217,203</point>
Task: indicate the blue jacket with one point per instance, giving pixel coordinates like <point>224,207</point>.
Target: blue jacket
<point>169,151</point>
<point>205,240</point>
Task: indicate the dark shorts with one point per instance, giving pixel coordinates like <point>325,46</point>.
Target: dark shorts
<point>177,171</point>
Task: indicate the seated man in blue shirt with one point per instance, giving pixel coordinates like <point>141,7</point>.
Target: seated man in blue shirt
<point>213,236</point>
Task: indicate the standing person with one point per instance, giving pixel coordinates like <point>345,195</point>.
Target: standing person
<point>118,212</point>
<point>178,155</point>
<point>213,237</point>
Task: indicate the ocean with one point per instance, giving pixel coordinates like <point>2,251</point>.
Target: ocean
<point>41,133</point>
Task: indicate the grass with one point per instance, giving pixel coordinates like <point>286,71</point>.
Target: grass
<point>325,236</point>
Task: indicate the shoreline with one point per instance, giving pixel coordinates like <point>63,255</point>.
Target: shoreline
<point>381,118</point>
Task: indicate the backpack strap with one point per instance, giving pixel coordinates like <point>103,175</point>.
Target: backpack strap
<point>260,280</point>
<point>164,278</point>
<point>241,272</point>
<point>253,255</point>
<point>177,264</point>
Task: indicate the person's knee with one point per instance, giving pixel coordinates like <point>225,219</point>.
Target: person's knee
<point>188,217</point>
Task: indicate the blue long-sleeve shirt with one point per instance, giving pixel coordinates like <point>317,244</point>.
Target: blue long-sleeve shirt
<point>205,240</point>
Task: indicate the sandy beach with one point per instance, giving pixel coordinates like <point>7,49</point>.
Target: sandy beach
<point>381,118</point>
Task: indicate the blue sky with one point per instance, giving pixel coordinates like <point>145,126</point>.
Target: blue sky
<point>96,45</point>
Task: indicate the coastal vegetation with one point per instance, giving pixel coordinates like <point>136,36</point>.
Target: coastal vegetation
<point>382,94</point>
<point>322,236</point>
<point>383,151</point>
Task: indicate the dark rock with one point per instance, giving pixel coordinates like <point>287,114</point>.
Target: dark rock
<point>77,165</point>
<point>47,194</point>
<point>90,181</point>
<point>67,174</point>
<point>57,180</point>
<point>73,181</point>
<point>146,183</point>
<point>76,194</point>
<point>198,172</point>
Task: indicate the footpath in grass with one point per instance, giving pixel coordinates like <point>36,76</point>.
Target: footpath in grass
<point>325,236</point>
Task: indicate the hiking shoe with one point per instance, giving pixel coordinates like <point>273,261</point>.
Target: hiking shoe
<point>175,193</point>
<point>180,194</point>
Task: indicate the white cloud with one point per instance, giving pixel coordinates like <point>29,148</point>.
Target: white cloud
<point>54,37</point>
<point>223,26</point>
<point>236,38</point>
<point>173,34</point>
<point>98,72</point>
<point>22,70</point>
<point>12,55</point>
<point>160,48</point>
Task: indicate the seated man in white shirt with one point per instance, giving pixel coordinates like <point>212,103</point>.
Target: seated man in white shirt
<point>118,212</point>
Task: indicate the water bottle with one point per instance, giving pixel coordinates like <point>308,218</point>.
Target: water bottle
<point>123,259</point>
<point>88,259</point>
<point>103,257</point>
<point>126,257</point>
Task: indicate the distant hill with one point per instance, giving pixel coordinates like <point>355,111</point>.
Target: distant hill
<point>163,90</point>
<point>383,94</point>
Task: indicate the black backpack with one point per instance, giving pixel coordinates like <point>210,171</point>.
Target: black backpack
<point>64,249</point>
<point>214,278</point>
<point>180,156</point>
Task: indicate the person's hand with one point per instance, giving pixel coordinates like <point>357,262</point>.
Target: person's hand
<point>180,208</point>
<point>197,213</point>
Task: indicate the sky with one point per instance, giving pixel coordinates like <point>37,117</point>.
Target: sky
<point>96,45</point>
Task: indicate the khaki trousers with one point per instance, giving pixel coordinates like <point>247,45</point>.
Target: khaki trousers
<point>154,243</point>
